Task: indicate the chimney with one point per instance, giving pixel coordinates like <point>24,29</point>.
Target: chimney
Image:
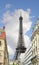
<point>3,27</point>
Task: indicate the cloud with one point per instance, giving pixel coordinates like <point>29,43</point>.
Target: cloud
<point>22,56</point>
<point>7,5</point>
<point>10,50</point>
<point>11,21</point>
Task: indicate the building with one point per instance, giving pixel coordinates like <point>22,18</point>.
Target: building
<point>4,57</point>
<point>27,57</point>
<point>35,44</point>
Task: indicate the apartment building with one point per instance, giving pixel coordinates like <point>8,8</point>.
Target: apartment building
<point>4,57</point>
<point>27,57</point>
<point>35,44</point>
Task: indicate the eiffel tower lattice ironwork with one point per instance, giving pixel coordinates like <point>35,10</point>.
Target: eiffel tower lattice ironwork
<point>20,47</point>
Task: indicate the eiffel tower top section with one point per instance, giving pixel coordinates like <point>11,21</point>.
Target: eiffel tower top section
<point>20,30</point>
<point>21,18</point>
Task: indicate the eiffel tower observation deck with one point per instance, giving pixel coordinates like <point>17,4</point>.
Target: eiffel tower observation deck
<point>20,45</point>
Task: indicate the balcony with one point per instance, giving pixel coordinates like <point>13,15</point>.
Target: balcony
<point>34,58</point>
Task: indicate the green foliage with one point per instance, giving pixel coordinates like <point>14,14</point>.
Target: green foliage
<point>15,64</point>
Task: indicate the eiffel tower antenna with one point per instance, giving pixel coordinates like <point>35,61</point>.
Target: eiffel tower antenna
<point>20,13</point>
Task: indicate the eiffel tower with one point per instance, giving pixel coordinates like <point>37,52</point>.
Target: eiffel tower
<point>20,47</point>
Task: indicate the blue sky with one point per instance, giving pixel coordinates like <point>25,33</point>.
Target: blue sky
<point>20,4</point>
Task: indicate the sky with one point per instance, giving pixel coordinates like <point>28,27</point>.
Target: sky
<point>9,17</point>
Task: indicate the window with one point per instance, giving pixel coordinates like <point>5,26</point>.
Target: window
<point>0,33</point>
<point>0,63</point>
<point>38,27</point>
<point>0,54</point>
<point>0,43</point>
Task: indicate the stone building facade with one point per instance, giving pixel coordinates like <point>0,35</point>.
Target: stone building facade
<point>27,57</point>
<point>35,44</point>
<point>4,57</point>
